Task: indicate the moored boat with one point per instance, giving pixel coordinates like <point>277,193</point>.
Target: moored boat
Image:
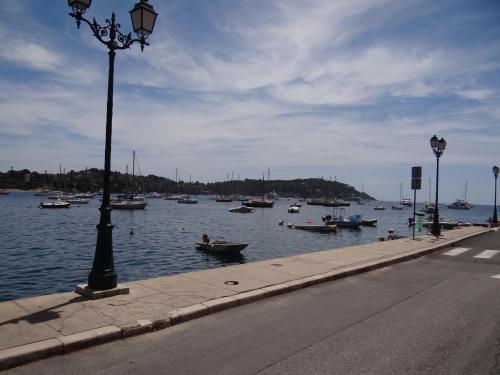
<point>379,208</point>
<point>224,199</point>
<point>128,204</point>
<point>56,204</point>
<point>293,209</point>
<point>460,204</point>
<point>321,228</point>
<point>259,203</point>
<point>187,200</point>
<point>241,209</point>
<point>219,246</point>
<point>78,201</point>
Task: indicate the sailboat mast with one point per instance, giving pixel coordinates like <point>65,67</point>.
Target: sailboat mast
<point>133,173</point>
<point>263,188</point>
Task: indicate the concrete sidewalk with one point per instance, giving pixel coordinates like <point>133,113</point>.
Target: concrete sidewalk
<point>39,327</point>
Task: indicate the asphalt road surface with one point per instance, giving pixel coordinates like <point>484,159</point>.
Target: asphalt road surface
<point>439,314</point>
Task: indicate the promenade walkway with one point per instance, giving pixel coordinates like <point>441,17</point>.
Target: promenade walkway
<point>38,327</point>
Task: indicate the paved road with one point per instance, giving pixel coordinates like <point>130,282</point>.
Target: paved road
<point>439,314</point>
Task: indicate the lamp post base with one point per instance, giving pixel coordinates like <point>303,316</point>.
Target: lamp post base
<point>85,291</point>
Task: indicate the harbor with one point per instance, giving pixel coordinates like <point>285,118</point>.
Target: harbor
<point>49,251</point>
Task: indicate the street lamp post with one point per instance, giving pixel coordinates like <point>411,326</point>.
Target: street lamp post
<point>494,221</point>
<point>438,146</point>
<point>103,275</point>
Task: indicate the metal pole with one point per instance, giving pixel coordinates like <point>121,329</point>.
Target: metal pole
<point>103,275</point>
<point>436,230</point>
<point>414,209</point>
<point>495,219</point>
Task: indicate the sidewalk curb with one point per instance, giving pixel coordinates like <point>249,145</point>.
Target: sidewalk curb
<point>63,344</point>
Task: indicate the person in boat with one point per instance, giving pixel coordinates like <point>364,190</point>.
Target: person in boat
<point>392,235</point>
<point>205,238</point>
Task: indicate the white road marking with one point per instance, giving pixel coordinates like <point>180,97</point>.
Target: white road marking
<point>496,277</point>
<point>487,254</point>
<point>456,251</point>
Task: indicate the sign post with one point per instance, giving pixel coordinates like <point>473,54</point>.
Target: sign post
<point>416,184</point>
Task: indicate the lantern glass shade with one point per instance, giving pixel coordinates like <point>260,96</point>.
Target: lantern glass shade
<point>441,144</point>
<point>143,18</point>
<point>80,5</point>
<point>434,142</point>
<point>495,170</point>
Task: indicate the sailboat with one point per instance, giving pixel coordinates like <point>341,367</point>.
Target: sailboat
<point>406,202</point>
<point>129,201</point>
<point>461,204</point>
<point>263,203</point>
<point>400,205</point>
<point>429,207</point>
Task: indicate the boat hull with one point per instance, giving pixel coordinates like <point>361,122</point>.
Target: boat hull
<point>221,247</point>
<point>259,204</point>
<point>137,205</point>
<point>316,228</point>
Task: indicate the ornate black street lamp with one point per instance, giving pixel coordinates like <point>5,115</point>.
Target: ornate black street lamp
<point>494,221</point>
<point>438,146</point>
<point>103,275</point>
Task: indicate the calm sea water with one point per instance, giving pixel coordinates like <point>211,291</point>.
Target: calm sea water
<point>47,251</point>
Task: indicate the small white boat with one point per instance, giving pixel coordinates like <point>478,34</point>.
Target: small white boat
<point>241,209</point>
<point>128,204</point>
<point>221,246</point>
<point>294,209</point>
<point>77,201</point>
<point>379,208</point>
<point>56,204</point>
<point>187,201</point>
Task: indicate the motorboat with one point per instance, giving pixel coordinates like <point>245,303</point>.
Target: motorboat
<point>128,204</point>
<point>224,199</point>
<point>293,209</point>
<point>263,203</point>
<point>78,201</point>
<point>56,204</point>
<point>321,228</point>
<point>4,192</point>
<point>379,208</point>
<point>460,204</point>
<point>397,206</point>
<point>406,202</point>
<point>187,201</point>
<point>219,246</point>
<point>342,221</point>
<point>241,209</point>
<point>296,204</point>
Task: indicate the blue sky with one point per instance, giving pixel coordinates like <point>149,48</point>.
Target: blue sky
<point>348,88</point>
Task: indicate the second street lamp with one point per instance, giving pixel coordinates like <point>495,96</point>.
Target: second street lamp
<point>103,275</point>
<point>438,146</point>
<point>494,221</point>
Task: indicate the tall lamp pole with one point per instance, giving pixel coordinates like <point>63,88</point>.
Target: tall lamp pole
<point>438,146</point>
<point>494,221</point>
<point>103,275</point>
